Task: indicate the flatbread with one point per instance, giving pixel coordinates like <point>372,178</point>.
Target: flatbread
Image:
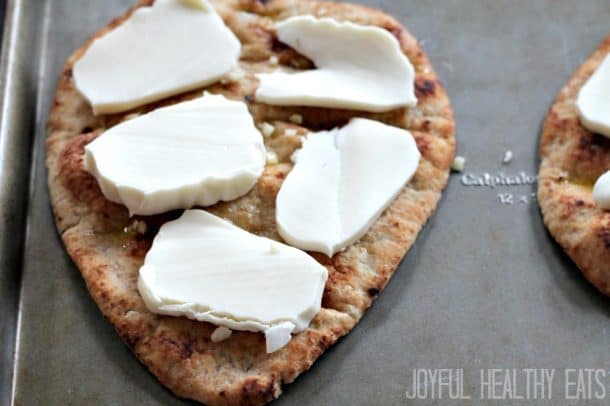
<point>108,247</point>
<point>572,158</point>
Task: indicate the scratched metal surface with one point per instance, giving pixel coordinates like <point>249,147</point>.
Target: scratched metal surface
<point>483,287</point>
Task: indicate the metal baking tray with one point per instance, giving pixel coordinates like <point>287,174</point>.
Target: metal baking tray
<point>484,287</point>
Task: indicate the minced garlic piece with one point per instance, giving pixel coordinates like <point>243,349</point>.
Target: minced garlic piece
<point>296,118</point>
<point>233,76</point>
<point>137,226</point>
<point>458,163</point>
<point>221,334</point>
<point>196,4</point>
<point>272,158</point>
<point>131,116</point>
<point>266,129</point>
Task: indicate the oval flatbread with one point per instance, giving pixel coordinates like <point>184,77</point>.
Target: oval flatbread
<point>108,247</point>
<point>572,158</point>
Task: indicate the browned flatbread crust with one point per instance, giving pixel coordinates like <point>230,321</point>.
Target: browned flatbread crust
<point>572,158</point>
<point>108,248</point>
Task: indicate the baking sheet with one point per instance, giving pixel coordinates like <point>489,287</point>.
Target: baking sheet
<point>483,287</point>
<point>17,111</point>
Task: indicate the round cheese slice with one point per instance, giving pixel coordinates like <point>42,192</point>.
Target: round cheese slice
<point>168,48</point>
<point>194,153</point>
<point>357,67</point>
<point>341,182</point>
<point>207,269</point>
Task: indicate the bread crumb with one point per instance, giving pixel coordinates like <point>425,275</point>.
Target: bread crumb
<point>272,158</point>
<point>267,129</point>
<point>508,157</point>
<point>296,118</point>
<point>220,334</point>
<point>290,132</point>
<point>458,164</point>
<point>274,60</point>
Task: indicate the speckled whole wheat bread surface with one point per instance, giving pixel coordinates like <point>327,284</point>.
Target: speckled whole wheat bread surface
<point>108,247</point>
<point>572,158</point>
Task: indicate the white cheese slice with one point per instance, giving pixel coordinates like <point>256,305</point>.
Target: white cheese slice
<point>341,182</point>
<point>593,102</point>
<point>169,48</point>
<point>207,269</point>
<point>358,67</point>
<point>194,153</point>
<point>601,191</point>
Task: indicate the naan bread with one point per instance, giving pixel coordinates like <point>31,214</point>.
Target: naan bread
<point>108,247</point>
<point>572,158</point>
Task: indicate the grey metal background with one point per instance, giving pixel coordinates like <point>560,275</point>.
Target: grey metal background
<point>483,287</point>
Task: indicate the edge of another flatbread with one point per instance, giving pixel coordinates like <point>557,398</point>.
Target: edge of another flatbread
<point>108,247</point>
<point>572,158</point>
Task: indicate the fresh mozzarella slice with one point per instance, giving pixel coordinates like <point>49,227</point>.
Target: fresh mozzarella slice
<point>341,182</point>
<point>601,191</point>
<point>593,102</point>
<point>207,269</point>
<point>194,153</point>
<point>358,67</point>
<point>169,48</point>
